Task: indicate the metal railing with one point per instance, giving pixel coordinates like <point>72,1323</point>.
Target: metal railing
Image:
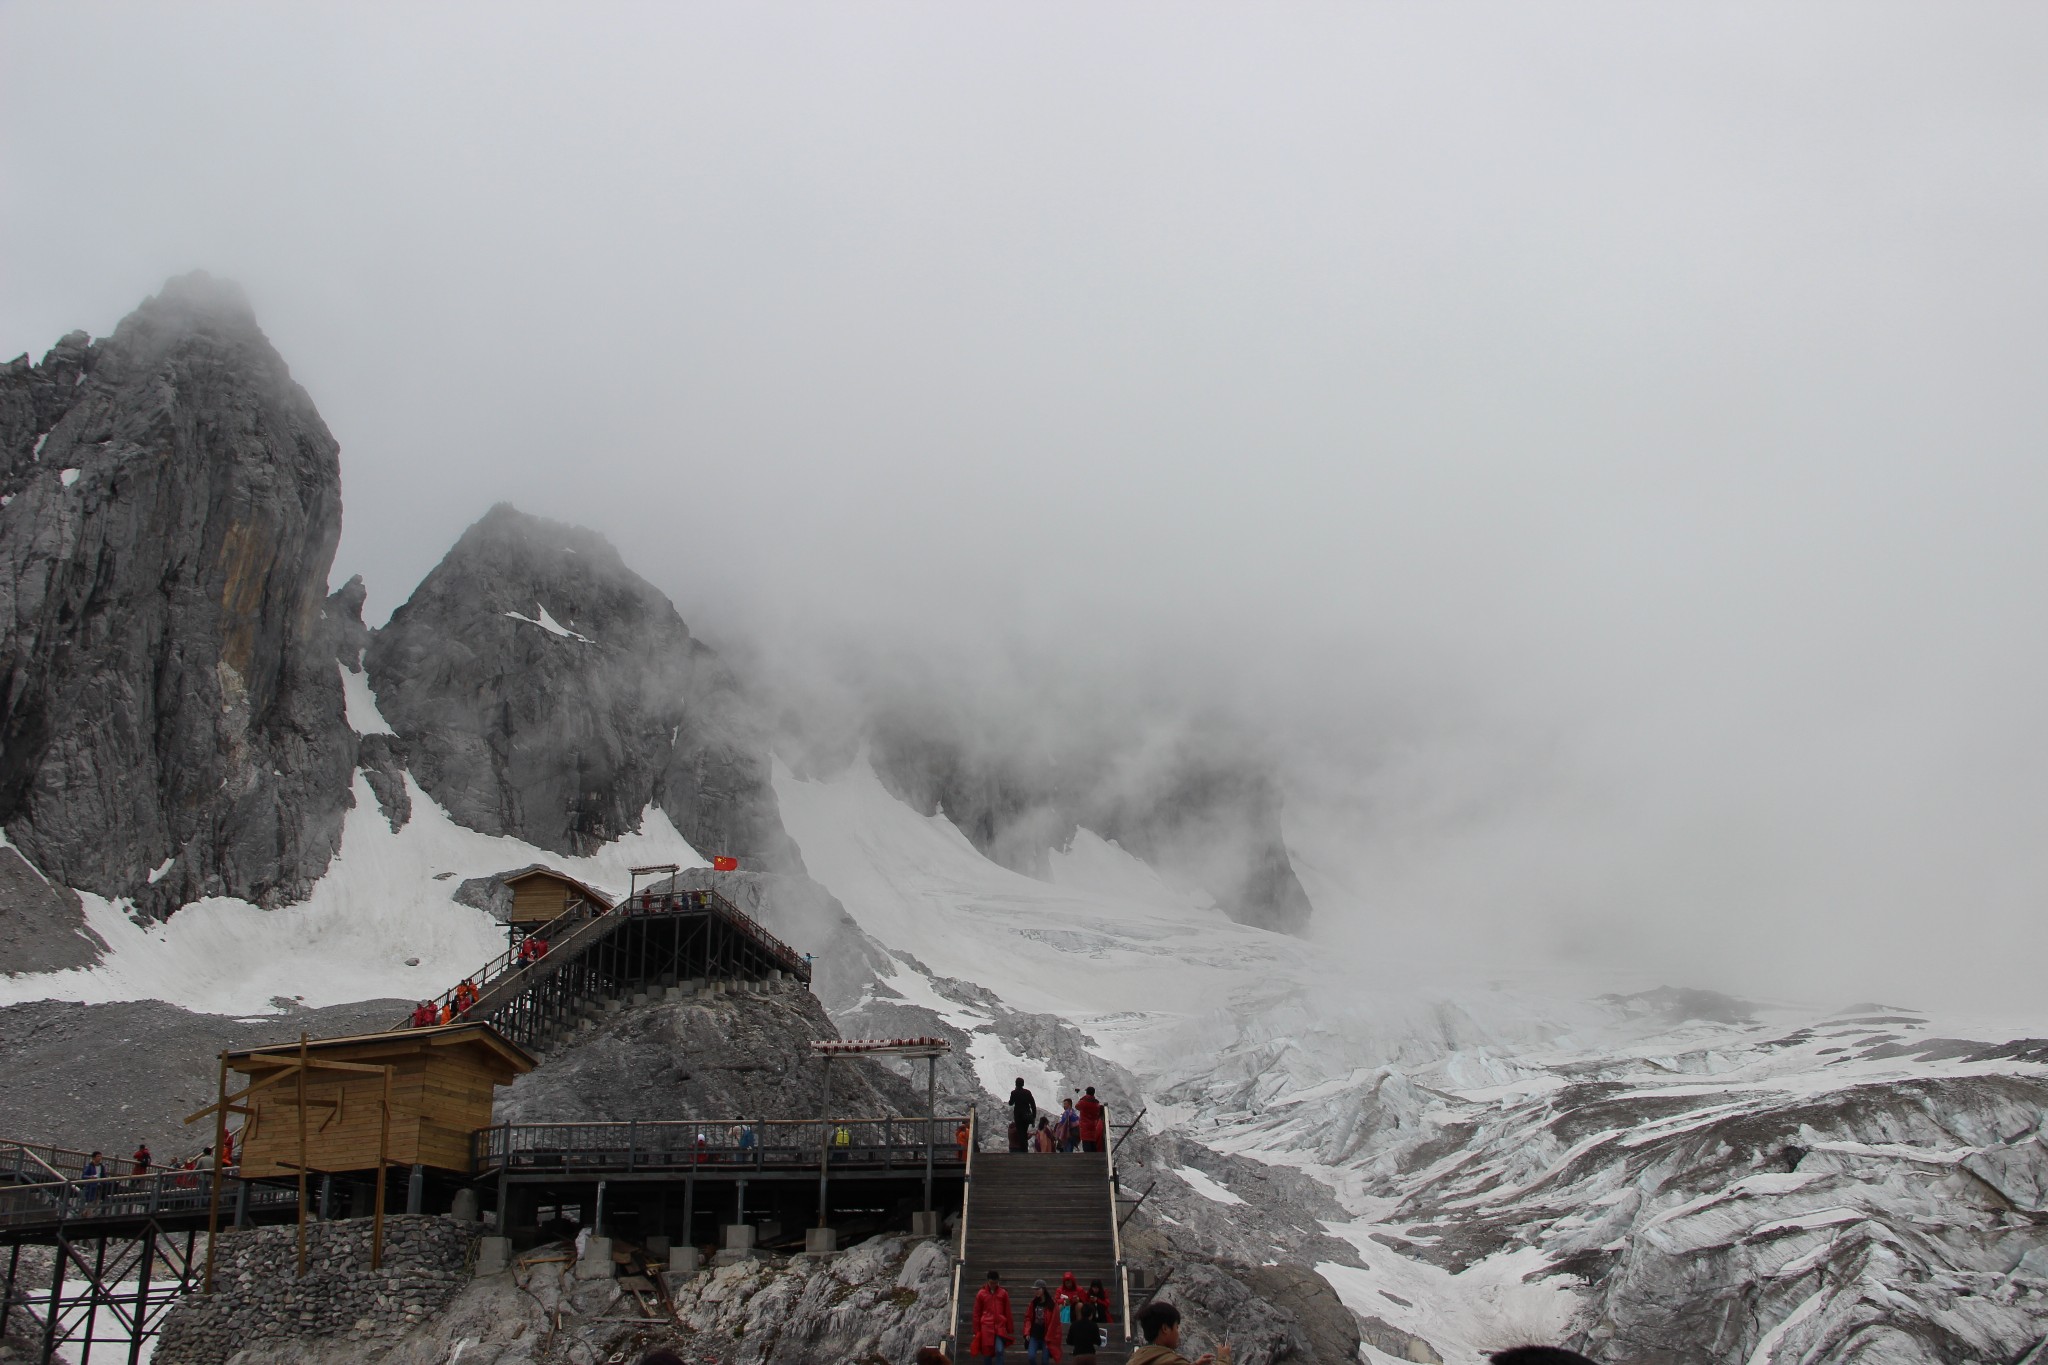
<point>960,1248</point>
<point>647,904</point>
<point>117,1197</point>
<point>1116,1229</point>
<point>507,963</point>
<point>726,1146</point>
<point>36,1162</point>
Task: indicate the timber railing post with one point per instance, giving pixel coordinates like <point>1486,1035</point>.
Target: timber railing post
<point>302,1155</point>
<point>218,1173</point>
<point>383,1171</point>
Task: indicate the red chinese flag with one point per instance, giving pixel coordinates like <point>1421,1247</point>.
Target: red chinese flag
<point>725,864</point>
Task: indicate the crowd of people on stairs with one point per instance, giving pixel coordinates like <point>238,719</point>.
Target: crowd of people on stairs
<point>1063,1325</point>
<point>452,1010</point>
<point>1080,1127</point>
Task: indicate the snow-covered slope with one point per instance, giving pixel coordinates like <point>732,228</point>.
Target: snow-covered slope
<point>1665,1176</point>
<point>1518,1164</point>
<point>381,924</point>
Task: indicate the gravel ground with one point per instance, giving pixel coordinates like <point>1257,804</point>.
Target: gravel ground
<point>107,1076</point>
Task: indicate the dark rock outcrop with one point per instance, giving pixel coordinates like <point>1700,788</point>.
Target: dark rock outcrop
<point>743,1056</point>
<point>42,926</point>
<point>171,723</point>
<point>546,691</point>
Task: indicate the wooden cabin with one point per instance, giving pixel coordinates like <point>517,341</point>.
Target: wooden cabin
<point>442,1084</point>
<point>541,894</point>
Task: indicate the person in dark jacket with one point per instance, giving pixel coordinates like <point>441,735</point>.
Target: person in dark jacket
<point>1023,1115</point>
<point>1084,1333</point>
<point>94,1175</point>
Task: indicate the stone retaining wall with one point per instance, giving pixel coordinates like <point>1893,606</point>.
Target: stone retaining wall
<point>258,1300</point>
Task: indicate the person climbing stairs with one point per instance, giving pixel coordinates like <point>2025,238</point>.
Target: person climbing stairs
<point>1035,1217</point>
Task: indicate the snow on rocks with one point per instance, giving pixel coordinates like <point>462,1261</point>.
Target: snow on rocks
<point>387,898</point>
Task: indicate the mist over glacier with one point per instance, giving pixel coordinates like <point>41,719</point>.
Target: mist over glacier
<point>1596,456</point>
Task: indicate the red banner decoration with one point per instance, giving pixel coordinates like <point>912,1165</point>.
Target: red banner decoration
<point>721,863</point>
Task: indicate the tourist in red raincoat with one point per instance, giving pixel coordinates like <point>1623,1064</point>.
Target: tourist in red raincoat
<point>995,1326</point>
<point>1090,1110</point>
<point>1070,1296</point>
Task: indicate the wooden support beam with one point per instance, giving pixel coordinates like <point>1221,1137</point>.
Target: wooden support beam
<point>218,1176</point>
<point>302,1155</point>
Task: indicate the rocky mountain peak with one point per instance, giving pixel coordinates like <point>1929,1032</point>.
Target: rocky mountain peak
<point>545,690</point>
<point>170,725</point>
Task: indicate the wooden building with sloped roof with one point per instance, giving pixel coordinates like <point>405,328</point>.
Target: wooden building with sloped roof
<point>439,1083</point>
<point>541,894</point>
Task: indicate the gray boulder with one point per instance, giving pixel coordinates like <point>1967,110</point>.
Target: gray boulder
<point>171,722</point>
<point>546,691</point>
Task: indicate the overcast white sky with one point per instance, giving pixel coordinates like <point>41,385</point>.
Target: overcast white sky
<point>1609,438</point>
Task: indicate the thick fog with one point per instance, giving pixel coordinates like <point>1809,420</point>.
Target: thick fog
<point>1599,448</point>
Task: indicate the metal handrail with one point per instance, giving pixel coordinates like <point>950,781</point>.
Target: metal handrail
<point>504,965</point>
<point>1137,1204</point>
<point>79,1200</point>
<point>1129,1128</point>
<point>670,1144</point>
<point>647,904</point>
<point>960,1250</point>
<point>1116,1231</point>
<point>25,1152</point>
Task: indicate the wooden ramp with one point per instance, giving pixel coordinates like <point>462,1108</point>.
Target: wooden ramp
<point>1036,1217</point>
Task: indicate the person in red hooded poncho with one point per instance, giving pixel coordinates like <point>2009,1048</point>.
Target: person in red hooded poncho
<point>1090,1110</point>
<point>995,1326</point>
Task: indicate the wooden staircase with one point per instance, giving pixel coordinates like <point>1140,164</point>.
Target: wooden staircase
<point>1036,1217</point>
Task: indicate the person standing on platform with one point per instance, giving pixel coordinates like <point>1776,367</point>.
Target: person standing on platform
<point>1068,1129</point>
<point>1041,1324</point>
<point>141,1159</point>
<point>1023,1114</point>
<point>1090,1110</point>
<point>94,1172</point>
<point>995,1324</point>
<point>1084,1333</point>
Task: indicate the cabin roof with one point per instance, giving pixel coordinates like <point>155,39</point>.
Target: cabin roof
<point>398,1042</point>
<point>586,888</point>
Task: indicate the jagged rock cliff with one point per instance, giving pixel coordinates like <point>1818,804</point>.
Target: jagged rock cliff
<point>171,723</point>
<point>542,689</point>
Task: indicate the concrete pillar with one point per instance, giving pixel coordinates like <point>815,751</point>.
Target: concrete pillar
<point>684,1260</point>
<point>493,1255</point>
<point>597,1260</point>
<point>924,1223</point>
<point>821,1241</point>
<point>465,1209</point>
<point>739,1237</point>
<point>416,1190</point>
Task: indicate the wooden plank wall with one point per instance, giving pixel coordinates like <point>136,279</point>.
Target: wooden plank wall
<point>538,900</point>
<point>437,1101</point>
